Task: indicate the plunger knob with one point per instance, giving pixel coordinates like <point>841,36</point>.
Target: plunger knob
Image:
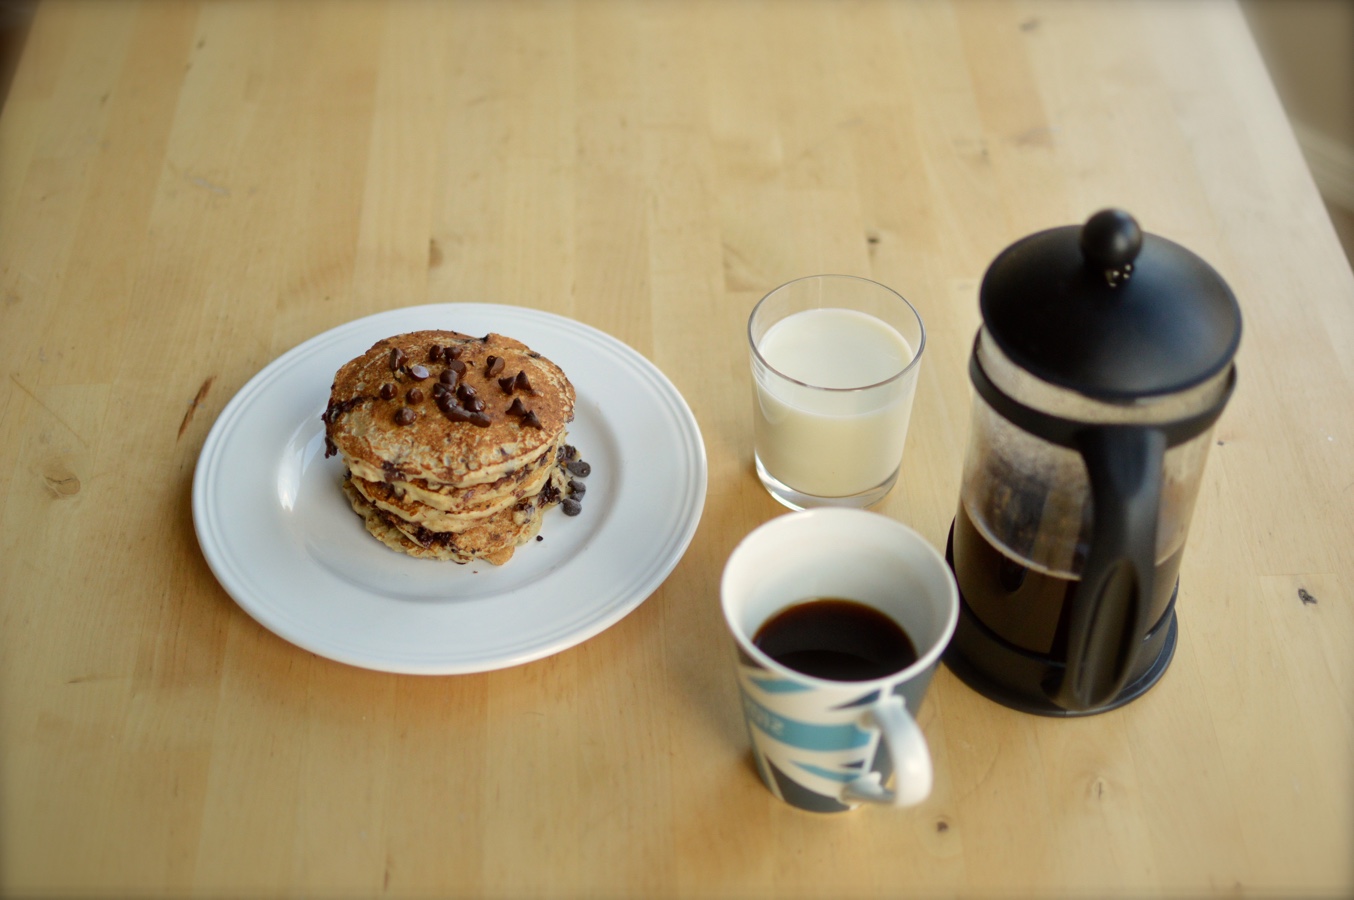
<point>1110,242</point>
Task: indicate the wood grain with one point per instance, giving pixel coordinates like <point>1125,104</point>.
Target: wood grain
<point>188,189</point>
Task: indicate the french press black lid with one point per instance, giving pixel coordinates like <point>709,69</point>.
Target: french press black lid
<point>1110,312</point>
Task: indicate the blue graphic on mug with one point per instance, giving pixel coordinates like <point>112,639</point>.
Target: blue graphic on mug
<point>848,773</point>
<point>809,743</point>
<point>804,735</point>
<point>774,685</point>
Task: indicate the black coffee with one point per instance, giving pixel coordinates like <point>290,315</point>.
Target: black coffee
<point>1025,606</point>
<point>840,640</point>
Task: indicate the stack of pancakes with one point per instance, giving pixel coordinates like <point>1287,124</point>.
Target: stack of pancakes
<point>454,444</point>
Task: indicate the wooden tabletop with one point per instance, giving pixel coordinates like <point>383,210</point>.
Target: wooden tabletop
<point>189,190</point>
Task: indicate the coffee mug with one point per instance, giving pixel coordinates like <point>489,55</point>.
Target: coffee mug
<point>814,600</point>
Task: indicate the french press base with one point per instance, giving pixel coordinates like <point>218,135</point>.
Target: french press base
<point>1027,681</point>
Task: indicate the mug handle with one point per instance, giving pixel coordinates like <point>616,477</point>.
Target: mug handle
<point>907,748</point>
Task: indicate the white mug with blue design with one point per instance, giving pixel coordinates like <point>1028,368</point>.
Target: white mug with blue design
<point>823,745</point>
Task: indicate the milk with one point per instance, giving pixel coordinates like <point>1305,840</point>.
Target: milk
<point>841,431</point>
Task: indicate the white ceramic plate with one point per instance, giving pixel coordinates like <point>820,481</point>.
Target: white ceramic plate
<point>281,538</point>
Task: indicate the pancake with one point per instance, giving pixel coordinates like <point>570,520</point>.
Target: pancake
<point>389,498</point>
<point>454,445</point>
<point>465,500</point>
<point>494,540</point>
<point>436,445</point>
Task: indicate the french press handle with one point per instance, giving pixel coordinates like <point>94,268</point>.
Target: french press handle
<point>1109,610</point>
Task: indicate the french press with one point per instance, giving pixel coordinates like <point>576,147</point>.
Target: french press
<point>1104,358</point>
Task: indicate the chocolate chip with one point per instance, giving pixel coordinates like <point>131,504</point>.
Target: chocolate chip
<point>577,487</point>
<point>485,339</point>
<point>480,419</point>
<point>506,384</point>
<point>474,404</point>
<point>388,391</point>
<point>531,420</point>
<point>493,365</point>
<point>568,452</point>
<point>452,411</point>
<point>448,378</point>
<point>329,448</point>
<point>405,416</point>
<point>517,409</point>
<point>331,415</point>
<point>397,359</point>
<point>523,383</point>
<point>418,373</point>
<point>450,353</point>
<point>435,353</point>
<point>571,506</point>
<point>540,537</point>
<point>465,393</point>
<point>549,494</point>
<point>414,395</point>
<point>579,467</point>
<point>440,390</point>
<point>456,366</point>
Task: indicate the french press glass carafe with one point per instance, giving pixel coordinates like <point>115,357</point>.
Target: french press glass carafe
<point>1104,358</point>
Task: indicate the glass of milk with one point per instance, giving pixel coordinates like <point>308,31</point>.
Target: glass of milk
<point>834,370</point>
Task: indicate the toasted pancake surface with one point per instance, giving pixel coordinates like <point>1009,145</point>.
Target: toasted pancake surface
<point>451,442</point>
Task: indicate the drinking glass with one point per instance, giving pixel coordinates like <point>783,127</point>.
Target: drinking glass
<point>834,364</point>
